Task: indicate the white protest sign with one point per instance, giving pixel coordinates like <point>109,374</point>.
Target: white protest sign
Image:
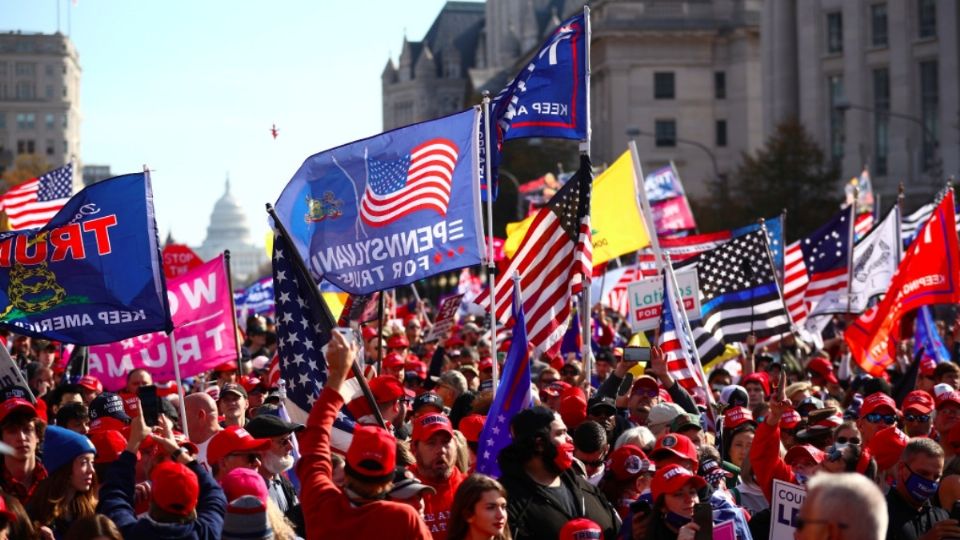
<point>785,508</point>
<point>445,317</point>
<point>646,299</point>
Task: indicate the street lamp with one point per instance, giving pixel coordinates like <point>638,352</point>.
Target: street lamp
<point>633,132</point>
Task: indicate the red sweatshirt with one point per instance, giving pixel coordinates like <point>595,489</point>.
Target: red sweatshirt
<point>766,461</point>
<point>328,512</point>
<point>436,511</point>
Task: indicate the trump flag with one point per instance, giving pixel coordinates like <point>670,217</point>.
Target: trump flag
<point>389,210</point>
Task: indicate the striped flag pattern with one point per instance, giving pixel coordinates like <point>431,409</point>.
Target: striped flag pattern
<point>795,282</point>
<point>817,265</point>
<point>676,355</point>
<point>33,203</point>
<point>862,225</point>
<point>553,261</point>
<point>420,180</point>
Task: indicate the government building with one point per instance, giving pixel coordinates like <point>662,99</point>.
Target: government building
<point>228,229</point>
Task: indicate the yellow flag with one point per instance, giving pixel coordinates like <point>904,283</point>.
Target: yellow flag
<point>515,233</point>
<point>615,212</point>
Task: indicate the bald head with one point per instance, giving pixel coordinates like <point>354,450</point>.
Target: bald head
<point>201,417</point>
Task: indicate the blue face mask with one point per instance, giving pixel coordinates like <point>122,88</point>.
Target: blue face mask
<point>919,487</point>
<point>801,478</point>
<point>675,520</point>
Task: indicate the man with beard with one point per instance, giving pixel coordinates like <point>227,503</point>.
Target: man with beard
<point>276,460</point>
<point>544,493</point>
<point>436,453</point>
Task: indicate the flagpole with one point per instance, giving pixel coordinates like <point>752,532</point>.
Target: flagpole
<point>233,306</point>
<point>682,310</point>
<point>381,308</point>
<point>491,266</point>
<point>899,205</point>
<point>586,306</point>
<point>766,249</point>
<point>641,188</point>
<point>420,310</point>
<point>850,237</point>
<point>176,372</point>
<point>301,268</point>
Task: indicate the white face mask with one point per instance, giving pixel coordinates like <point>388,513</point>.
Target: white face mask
<point>277,464</point>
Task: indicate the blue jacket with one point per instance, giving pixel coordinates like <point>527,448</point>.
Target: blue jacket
<point>116,502</point>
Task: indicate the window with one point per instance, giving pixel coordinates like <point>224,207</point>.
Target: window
<point>50,149</point>
<point>720,85</point>
<point>48,120</point>
<point>402,114</point>
<point>929,101</point>
<point>878,25</point>
<point>26,120</point>
<point>837,132</point>
<point>25,90</point>
<point>26,146</point>
<point>834,32</point>
<point>665,132</point>
<point>48,69</point>
<point>663,87</point>
<point>65,117</point>
<point>49,91</point>
<point>721,133</point>
<point>25,69</point>
<point>3,120</point>
<point>3,69</point>
<point>881,120</point>
<point>927,18</point>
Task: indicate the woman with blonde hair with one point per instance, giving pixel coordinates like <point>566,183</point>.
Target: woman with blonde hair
<point>479,510</point>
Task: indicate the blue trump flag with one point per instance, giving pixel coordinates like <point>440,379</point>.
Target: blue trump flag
<point>389,210</point>
<point>513,395</point>
<point>548,98</point>
<point>256,299</point>
<point>93,274</point>
<point>927,336</point>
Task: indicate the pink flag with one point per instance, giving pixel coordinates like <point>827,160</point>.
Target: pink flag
<point>204,332</point>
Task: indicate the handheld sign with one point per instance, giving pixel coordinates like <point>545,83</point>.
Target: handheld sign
<point>646,299</point>
<point>787,499</point>
<point>445,317</point>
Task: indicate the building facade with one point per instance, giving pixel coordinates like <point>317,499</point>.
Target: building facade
<point>875,82</point>
<point>95,173</point>
<point>229,229</point>
<point>39,98</point>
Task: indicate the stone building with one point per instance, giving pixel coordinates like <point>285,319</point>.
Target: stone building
<point>229,229</point>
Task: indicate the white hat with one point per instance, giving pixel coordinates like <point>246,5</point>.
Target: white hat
<point>662,414</point>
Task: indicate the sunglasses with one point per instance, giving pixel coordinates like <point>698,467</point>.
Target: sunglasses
<point>917,417</point>
<point>876,418</point>
<point>646,392</point>
<point>848,440</point>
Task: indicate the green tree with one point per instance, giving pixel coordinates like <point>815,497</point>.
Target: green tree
<point>25,167</point>
<point>790,172</point>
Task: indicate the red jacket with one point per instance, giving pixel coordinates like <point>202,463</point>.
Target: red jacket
<point>436,506</point>
<point>766,461</point>
<point>328,512</point>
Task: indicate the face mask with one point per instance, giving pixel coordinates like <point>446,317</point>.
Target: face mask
<point>919,487</point>
<point>277,464</point>
<point>564,457</point>
<point>840,446</point>
<point>676,520</point>
<point>801,478</point>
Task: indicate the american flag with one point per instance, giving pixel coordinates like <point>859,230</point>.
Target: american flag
<point>862,225</point>
<point>554,259</point>
<point>738,295</point>
<point>909,225</point>
<point>304,327</point>
<point>33,203</point>
<point>816,265</point>
<point>513,395</point>
<point>674,342</point>
<point>420,180</point>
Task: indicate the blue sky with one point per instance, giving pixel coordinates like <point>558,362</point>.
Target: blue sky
<point>191,89</point>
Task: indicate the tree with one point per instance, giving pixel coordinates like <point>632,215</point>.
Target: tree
<point>25,167</point>
<point>790,172</point>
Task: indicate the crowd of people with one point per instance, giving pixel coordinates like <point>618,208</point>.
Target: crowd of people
<point>621,452</point>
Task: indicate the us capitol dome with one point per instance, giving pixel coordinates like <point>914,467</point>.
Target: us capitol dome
<point>228,229</point>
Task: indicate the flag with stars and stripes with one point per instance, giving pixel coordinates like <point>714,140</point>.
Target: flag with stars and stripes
<point>554,259</point>
<point>676,345</point>
<point>33,203</point>
<point>909,225</point>
<point>817,265</point>
<point>513,395</point>
<point>304,327</point>
<point>738,295</point>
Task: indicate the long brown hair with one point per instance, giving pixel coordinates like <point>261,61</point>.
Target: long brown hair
<point>93,527</point>
<point>50,502</point>
<point>465,501</point>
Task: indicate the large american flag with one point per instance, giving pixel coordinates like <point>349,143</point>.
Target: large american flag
<point>554,259</point>
<point>33,203</point>
<point>303,329</point>
<point>418,181</point>
<point>817,265</point>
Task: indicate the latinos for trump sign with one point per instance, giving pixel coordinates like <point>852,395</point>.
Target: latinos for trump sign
<point>204,334</point>
<point>389,210</point>
<point>92,274</point>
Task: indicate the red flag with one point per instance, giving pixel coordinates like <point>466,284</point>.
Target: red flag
<point>927,275</point>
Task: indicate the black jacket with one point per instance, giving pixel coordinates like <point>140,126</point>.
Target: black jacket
<point>907,522</point>
<point>534,514</point>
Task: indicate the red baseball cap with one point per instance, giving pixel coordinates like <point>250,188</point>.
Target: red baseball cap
<point>581,529</point>
<point>573,409</point>
<point>802,451</point>
<point>927,366</point>
<point>790,419</point>
<point>229,365</point>
<point>671,478</point>
<point>397,341</point>
<point>394,361</point>
<point>368,333</point>
<point>629,461</point>
<point>735,417</point>
<point>645,381</point>
<point>486,364</point>
<point>372,454</point>
<point>759,377</point>
<point>90,383</point>
<point>822,367</point>
<point>674,444</point>
<point>471,426</point>
<point>386,388</point>
<point>16,404</point>
<point>426,425</point>
<point>918,401</point>
<point>877,401</point>
<point>233,439</point>
<point>942,399</point>
<point>109,443</point>
<point>887,446</point>
<point>175,488</point>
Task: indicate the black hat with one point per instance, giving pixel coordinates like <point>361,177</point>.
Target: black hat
<point>108,405</point>
<point>428,398</point>
<point>168,410</point>
<point>601,404</point>
<point>267,425</point>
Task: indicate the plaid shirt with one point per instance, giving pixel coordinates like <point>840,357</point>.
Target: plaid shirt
<point>22,492</point>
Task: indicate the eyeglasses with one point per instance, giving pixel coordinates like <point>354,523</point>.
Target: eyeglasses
<point>876,418</point>
<point>801,523</point>
<point>917,417</point>
<point>251,457</point>
<point>848,440</point>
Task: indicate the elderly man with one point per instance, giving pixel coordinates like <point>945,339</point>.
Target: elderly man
<point>843,506</point>
<point>276,460</point>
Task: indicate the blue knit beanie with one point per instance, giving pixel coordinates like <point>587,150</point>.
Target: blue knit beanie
<point>61,446</point>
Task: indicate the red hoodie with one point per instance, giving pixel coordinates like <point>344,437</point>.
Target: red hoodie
<point>328,512</point>
<point>766,461</point>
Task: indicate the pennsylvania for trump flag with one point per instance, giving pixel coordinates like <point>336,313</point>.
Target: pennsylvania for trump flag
<point>552,262</point>
<point>513,395</point>
<point>33,203</point>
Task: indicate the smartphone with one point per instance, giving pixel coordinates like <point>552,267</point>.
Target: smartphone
<point>149,404</point>
<point>347,334</point>
<point>636,354</point>
<point>640,506</point>
<point>703,517</point>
